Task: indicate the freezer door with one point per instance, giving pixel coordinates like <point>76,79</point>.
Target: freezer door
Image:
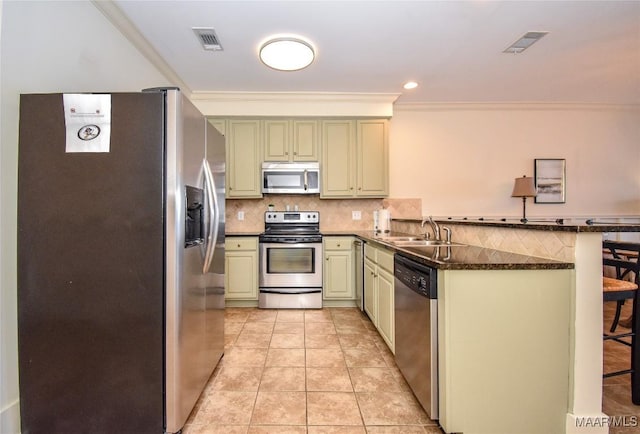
<point>194,327</point>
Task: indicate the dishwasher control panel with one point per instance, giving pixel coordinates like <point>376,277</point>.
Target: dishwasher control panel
<point>419,277</point>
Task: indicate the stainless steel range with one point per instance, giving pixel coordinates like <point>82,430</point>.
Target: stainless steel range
<point>291,261</point>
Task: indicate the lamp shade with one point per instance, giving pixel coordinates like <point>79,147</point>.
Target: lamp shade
<point>524,187</point>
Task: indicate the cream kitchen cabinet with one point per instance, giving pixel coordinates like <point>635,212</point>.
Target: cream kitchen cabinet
<point>290,140</point>
<point>378,291</point>
<point>339,278</point>
<point>244,159</point>
<point>241,268</point>
<point>355,158</point>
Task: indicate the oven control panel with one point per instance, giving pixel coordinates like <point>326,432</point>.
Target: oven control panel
<point>292,217</point>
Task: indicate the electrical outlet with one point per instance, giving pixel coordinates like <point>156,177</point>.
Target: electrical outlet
<point>241,215</point>
<point>356,215</point>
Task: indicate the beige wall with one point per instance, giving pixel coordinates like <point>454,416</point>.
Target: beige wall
<point>75,49</point>
<point>461,160</point>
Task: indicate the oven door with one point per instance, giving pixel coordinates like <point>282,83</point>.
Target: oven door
<point>291,265</point>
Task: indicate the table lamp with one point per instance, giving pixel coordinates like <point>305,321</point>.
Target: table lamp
<point>524,188</point>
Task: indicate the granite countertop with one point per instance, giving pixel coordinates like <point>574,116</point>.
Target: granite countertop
<point>456,257</point>
<point>242,234</point>
<point>462,257</point>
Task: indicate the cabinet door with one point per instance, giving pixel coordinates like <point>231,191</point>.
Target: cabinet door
<point>338,275</point>
<point>386,317</point>
<point>370,291</point>
<point>276,140</point>
<point>304,138</point>
<point>243,156</point>
<point>241,275</point>
<point>338,159</point>
<point>373,158</point>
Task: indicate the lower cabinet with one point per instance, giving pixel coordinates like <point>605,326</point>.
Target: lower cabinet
<point>378,291</point>
<point>241,268</point>
<point>339,278</point>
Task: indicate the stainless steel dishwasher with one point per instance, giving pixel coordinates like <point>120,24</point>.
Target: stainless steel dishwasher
<point>416,321</point>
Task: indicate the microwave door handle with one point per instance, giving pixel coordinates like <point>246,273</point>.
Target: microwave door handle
<point>306,181</point>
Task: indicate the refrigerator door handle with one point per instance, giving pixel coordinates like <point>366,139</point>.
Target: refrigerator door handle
<point>214,209</point>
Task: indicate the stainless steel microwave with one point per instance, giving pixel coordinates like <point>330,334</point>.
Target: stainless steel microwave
<point>291,178</point>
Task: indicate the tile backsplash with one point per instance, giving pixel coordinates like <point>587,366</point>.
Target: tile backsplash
<point>335,214</point>
<point>544,244</point>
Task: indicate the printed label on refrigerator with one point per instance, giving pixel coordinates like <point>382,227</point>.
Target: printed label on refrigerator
<point>88,122</point>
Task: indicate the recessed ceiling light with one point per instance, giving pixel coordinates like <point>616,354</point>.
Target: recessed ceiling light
<point>287,53</point>
<point>527,40</point>
<point>410,85</point>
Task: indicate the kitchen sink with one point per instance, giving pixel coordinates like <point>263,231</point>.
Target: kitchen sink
<point>419,242</point>
<point>394,240</point>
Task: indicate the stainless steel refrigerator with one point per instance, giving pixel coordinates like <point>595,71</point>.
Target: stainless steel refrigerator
<point>120,264</point>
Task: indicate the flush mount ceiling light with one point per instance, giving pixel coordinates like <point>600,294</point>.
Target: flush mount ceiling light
<point>287,53</point>
<point>410,85</point>
<point>527,40</point>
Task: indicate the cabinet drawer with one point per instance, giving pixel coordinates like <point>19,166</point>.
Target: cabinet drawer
<point>337,243</point>
<point>370,252</point>
<point>385,260</point>
<point>241,243</point>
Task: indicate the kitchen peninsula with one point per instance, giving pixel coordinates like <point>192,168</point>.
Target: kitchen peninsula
<point>571,241</point>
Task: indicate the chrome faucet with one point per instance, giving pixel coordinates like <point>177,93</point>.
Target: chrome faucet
<point>434,227</point>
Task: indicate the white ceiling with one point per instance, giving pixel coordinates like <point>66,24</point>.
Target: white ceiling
<point>452,48</point>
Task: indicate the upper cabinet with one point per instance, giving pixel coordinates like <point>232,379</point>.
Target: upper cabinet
<point>353,153</point>
<point>290,140</point>
<point>372,158</point>
<point>338,159</point>
<point>243,159</point>
<point>355,158</point>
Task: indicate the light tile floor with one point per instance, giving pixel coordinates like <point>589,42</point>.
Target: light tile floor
<point>328,371</point>
<point>306,371</point>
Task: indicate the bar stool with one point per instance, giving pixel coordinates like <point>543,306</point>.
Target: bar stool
<point>624,259</point>
<point>619,290</point>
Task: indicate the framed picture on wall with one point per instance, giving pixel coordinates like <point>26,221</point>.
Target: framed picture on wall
<point>550,180</point>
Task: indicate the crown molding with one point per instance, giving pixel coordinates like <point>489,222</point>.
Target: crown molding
<point>120,21</point>
<point>294,103</point>
<point>525,106</point>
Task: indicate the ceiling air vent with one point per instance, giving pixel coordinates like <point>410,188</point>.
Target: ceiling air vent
<point>208,38</point>
<point>527,40</point>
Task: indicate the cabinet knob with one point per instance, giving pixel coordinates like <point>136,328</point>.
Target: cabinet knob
<point>338,245</point>
<point>295,153</point>
<point>350,188</point>
<point>238,245</point>
<point>327,258</point>
<point>359,188</point>
<point>286,152</point>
